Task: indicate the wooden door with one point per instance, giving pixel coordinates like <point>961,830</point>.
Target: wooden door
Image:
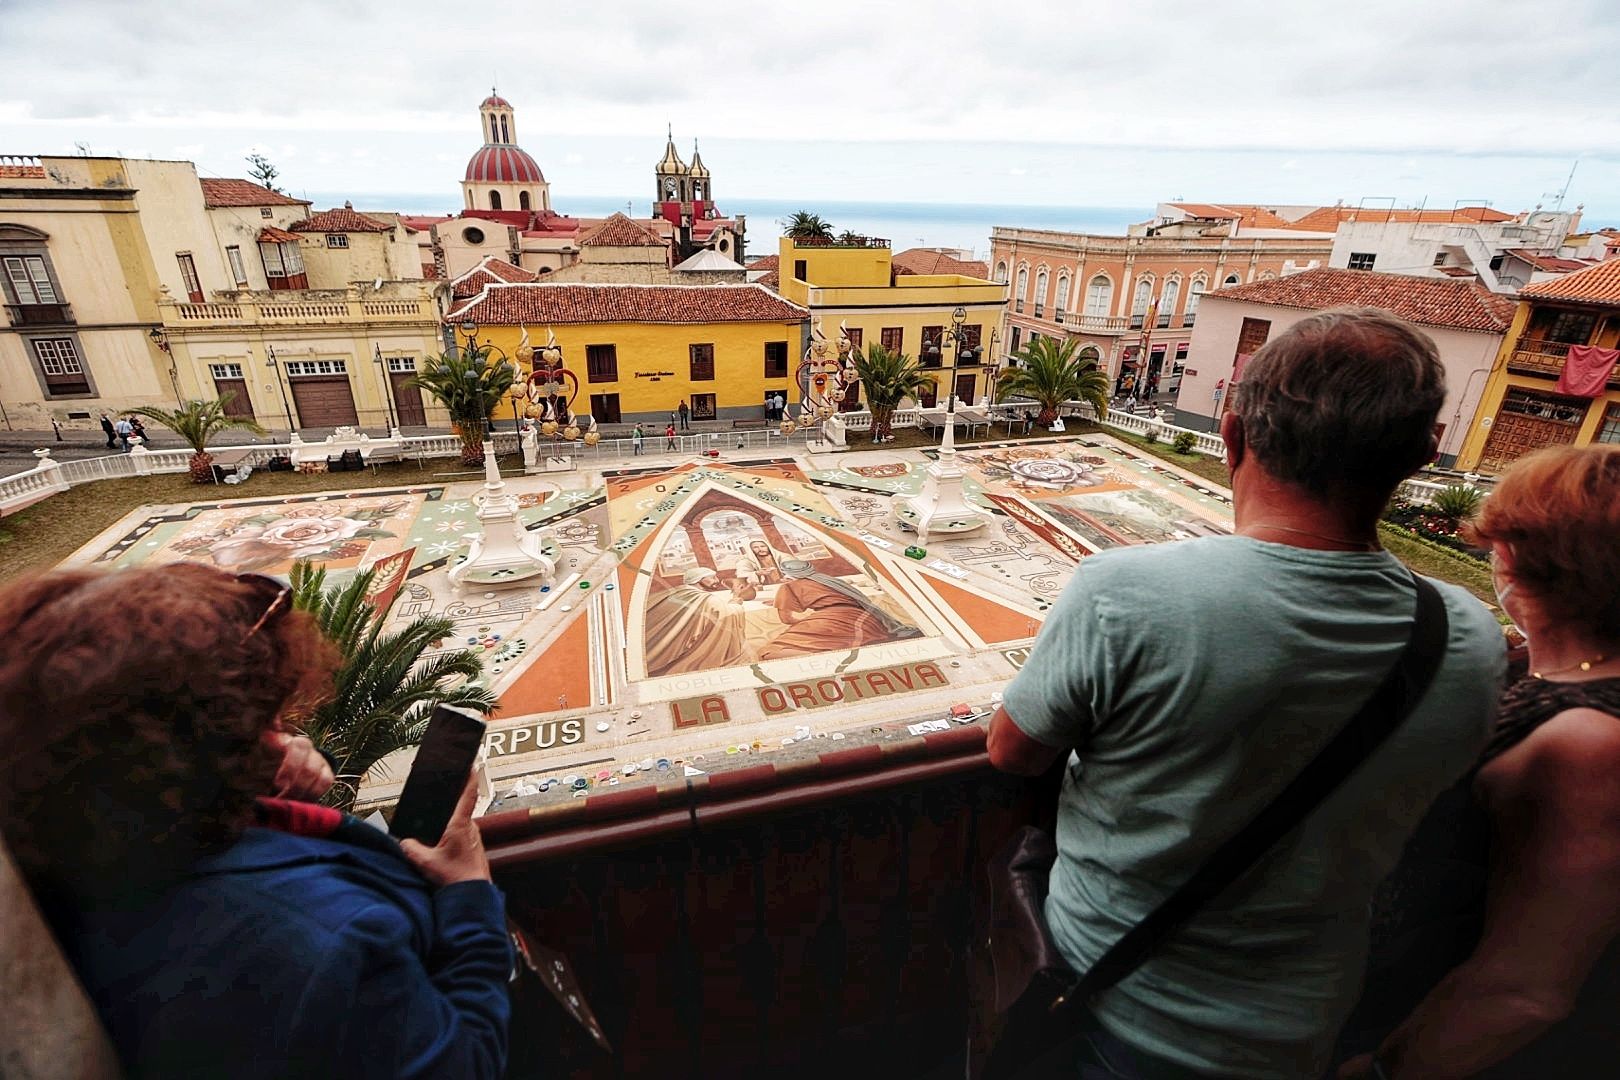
<point>964,390</point>
<point>324,401</point>
<point>239,404</point>
<point>703,406</point>
<point>605,408</point>
<point>407,399</point>
<point>1528,421</point>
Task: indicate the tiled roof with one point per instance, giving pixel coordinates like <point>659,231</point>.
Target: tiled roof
<point>272,235</point>
<point>503,165</point>
<point>765,262</point>
<point>1457,271</point>
<point>1555,264</point>
<point>1207,210</point>
<point>620,231</point>
<point>423,223</point>
<point>22,172</point>
<point>218,192</point>
<point>491,271</point>
<point>771,280</point>
<point>1598,284</point>
<point>342,219</point>
<point>926,261</point>
<point>514,305</point>
<point>1460,305</point>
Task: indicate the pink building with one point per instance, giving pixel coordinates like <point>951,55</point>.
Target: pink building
<point>1466,321</point>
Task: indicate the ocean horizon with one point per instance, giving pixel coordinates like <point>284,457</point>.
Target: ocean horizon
<point>904,224</point>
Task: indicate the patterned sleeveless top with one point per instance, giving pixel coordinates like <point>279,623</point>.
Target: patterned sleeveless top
<point>1428,913</point>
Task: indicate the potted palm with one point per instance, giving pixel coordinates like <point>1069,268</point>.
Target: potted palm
<point>197,422</point>
<point>888,378</point>
<point>1048,373</point>
<point>804,225</point>
<point>384,687</point>
<point>469,386</point>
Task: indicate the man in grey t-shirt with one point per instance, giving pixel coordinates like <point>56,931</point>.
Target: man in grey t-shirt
<point>1190,682</point>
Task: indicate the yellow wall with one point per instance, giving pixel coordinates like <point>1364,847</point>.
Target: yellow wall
<point>1501,381</point>
<point>851,286</point>
<point>647,351</point>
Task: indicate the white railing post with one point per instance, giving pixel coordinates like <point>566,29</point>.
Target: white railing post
<point>140,456</point>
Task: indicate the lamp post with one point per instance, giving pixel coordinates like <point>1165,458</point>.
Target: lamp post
<point>388,395</point>
<point>472,349</point>
<point>954,336</point>
<point>275,372</point>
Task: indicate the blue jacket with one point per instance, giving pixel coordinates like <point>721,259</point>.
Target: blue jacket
<point>299,956</point>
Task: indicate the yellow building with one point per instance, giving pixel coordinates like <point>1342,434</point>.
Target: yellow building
<point>856,285</point>
<point>1533,397</point>
<point>640,350</point>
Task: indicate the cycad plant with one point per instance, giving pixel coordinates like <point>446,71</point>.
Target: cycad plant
<point>1457,503</point>
<point>804,225</point>
<point>385,688</point>
<point>197,422</point>
<point>469,386</point>
<point>888,377</point>
<point>1049,374</point>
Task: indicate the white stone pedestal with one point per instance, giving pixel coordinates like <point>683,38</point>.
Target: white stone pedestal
<point>504,552</point>
<point>941,508</point>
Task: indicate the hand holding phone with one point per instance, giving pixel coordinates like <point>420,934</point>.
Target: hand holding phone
<point>459,855</point>
<point>438,774</point>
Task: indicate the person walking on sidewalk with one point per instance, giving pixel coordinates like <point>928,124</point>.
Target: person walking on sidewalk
<point>107,426</point>
<point>669,439</point>
<point>686,414</point>
<point>636,438</point>
<point>124,430</point>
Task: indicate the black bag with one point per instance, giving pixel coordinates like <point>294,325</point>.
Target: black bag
<point>1027,999</point>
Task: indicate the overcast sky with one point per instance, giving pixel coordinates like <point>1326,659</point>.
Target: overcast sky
<point>1056,103</point>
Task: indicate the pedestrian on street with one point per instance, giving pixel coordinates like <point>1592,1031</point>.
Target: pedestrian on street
<point>124,430</point>
<point>138,428</point>
<point>107,426</point>
<point>685,416</point>
<point>1029,421</point>
<point>57,428</point>
<point>636,438</point>
<point>669,438</point>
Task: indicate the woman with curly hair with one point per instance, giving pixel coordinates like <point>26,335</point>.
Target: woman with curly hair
<point>220,929</point>
<point>1507,894</point>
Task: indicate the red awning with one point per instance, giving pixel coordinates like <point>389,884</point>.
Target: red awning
<point>1587,370</point>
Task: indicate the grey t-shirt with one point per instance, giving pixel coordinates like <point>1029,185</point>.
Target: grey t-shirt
<point>1195,680</point>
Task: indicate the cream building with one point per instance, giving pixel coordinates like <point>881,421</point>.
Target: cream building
<point>135,282</point>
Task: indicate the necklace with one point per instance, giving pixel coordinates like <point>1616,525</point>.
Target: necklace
<point>1584,665</point>
<point>1359,545</point>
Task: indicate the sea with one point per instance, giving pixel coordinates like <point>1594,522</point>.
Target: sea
<point>963,226</point>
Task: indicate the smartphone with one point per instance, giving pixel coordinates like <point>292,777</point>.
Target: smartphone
<point>438,775</point>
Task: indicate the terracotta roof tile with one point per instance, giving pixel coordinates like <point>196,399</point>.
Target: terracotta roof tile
<point>340,220</point>
<point>1555,264</point>
<point>1598,284</point>
<point>218,192</point>
<point>491,271</point>
<point>620,231</point>
<point>513,305</point>
<point>926,261</point>
<point>423,223</point>
<point>766,262</point>
<point>771,279</point>
<point>1328,218</point>
<point>272,235</point>
<point>1207,210</point>
<point>1460,305</point>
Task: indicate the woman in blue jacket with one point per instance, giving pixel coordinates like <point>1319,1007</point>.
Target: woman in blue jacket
<point>219,929</point>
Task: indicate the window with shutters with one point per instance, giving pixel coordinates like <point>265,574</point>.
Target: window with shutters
<point>702,359</point>
<point>1167,301</point>
<point>601,363</point>
<point>188,274</point>
<point>1040,294</point>
<point>233,255</point>
<point>1139,304</point>
<point>1061,303</point>
<point>59,364</point>
<point>933,352</point>
<point>1099,297</point>
<point>892,338</point>
<point>28,281</point>
<point>1195,293</point>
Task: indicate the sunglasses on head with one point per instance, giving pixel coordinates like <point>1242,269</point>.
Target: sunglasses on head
<point>277,599</point>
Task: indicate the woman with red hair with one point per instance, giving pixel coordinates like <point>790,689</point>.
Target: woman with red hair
<point>221,932</point>
<point>1516,882</point>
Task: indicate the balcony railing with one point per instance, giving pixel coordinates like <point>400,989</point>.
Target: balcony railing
<point>1533,357</point>
<point>1040,310</point>
<point>1057,316</point>
<point>277,308</point>
<point>40,314</point>
<point>1018,306</point>
<point>1100,324</point>
<point>1137,321</point>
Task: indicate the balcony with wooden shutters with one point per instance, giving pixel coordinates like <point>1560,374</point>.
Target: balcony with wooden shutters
<point>1532,356</point>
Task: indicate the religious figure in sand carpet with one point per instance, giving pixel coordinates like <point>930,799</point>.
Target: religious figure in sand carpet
<point>698,624</point>
<point>760,564</point>
<point>824,614</point>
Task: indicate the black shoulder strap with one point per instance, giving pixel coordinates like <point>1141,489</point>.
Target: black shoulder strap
<point>1378,716</point>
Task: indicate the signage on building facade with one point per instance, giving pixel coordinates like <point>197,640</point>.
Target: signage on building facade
<point>542,735</point>
<point>655,376</point>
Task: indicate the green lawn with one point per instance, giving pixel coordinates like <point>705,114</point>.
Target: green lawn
<point>48,532</point>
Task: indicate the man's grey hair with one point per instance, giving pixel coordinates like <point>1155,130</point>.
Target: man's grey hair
<point>1343,403</point>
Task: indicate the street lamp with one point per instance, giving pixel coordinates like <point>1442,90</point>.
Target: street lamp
<point>275,371</point>
<point>954,336</point>
<point>388,396</point>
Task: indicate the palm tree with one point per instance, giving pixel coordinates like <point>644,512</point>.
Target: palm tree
<point>384,688</point>
<point>469,387</point>
<point>888,377</point>
<point>1048,372</point>
<point>850,236</point>
<point>197,422</point>
<point>804,225</point>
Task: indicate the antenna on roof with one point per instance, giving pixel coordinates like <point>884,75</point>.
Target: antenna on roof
<point>1558,196</point>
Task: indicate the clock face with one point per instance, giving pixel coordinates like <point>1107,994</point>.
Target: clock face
<point>669,186</point>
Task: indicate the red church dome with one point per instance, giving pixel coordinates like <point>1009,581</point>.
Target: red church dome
<point>495,101</point>
<point>503,165</point>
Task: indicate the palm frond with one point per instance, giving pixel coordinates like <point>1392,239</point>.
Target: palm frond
<point>1048,372</point>
<point>199,420</point>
